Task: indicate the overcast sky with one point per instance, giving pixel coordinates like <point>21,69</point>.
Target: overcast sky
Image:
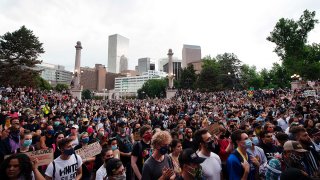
<point>154,26</point>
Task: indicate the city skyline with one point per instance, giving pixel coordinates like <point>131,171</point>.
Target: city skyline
<point>153,27</point>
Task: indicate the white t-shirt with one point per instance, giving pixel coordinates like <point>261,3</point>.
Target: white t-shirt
<point>101,173</point>
<point>211,167</point>
<point>65,169</point>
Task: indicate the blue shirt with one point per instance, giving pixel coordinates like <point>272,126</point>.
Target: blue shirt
<point>235,169</point>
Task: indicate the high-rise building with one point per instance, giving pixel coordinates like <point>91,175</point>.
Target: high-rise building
<point>143,65</point>
<point>123,63</point>
<point>117,53</point>
<point>54,74</point>
<point>190,54</point>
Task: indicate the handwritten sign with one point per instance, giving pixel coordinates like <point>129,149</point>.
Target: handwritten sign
<point>89,151</point>
<point>45,156</point>
<point>307,93</point>
<point>214,128</point>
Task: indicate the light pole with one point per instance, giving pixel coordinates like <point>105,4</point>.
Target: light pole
<point>295,77</point>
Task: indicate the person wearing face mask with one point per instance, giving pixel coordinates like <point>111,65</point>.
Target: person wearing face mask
<point>125,147</point>
<point>141,150</point>
<point>68,165</point>
<point>25,142</point>
<point>115,170</point>
<point>113,143</point>
<point>270,150</point>
<point>205,143</point>
<point>241,164</point>
<point>188,141</point>
<point>293,156</point>
<point>255,150</point>
<point>106,154</point>
<point>190,164</point>
<point>311,158</point>
<point>47,140</point>
<point>11,143</point>
<point>159,165</point>
<point>88,163</point>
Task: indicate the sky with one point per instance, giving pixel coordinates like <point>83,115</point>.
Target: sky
<point>154,26</point>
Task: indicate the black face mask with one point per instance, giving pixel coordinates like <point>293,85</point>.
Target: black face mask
<point>210,146</point>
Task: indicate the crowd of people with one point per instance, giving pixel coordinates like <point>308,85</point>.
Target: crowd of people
<point>263,134</point>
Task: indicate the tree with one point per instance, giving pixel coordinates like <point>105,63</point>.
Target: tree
<point>279,76</point>
<point>19,53</point>
<point>61,87</point>
<point>86,94</point>
<point>249,77</point>
<point>188,78</point>
<point>290,37</point>
<point>209,75</point>
<point>153,88</point>
<point>43,84</point>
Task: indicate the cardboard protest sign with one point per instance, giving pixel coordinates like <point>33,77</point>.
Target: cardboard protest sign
<point>307,93</point>
<point>89,151</point>
<point>214,129</point>
<point>45,156</point>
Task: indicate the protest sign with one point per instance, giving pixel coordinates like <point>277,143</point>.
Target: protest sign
<point>45,156</point>
<point>89,150</point>
<point>307,93</point>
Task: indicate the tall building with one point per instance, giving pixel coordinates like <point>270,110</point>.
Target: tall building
<point>54,74</point>
<point>93,78</point>
<point>143,65</point>
<point>176,67</point>
<point>190,54</point>
<point>123,63</point>
<point>117,53</point>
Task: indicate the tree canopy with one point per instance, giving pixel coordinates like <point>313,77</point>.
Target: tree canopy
<point>19,53</point>
<point>153,88</point>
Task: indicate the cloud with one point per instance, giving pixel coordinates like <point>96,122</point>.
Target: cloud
<point>153,26</point>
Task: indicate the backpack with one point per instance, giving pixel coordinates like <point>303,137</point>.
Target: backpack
<point>125,144</point>
<point>54,166</point>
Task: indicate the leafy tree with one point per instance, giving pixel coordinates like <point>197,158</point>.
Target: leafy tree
<point>249,77</point>
<point>290,37</point>
<point>279,76</point>
<point>153,88</point>
<point>19,53</point>
<point>43,84</point>
<point>188,78</point>
<point>86,94</point>
<point>61,87</point>
<point>209,75</point>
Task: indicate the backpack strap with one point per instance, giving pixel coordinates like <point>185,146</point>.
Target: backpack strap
<point>170,162</point>
<point>76,158</point>
<point>54,170</point>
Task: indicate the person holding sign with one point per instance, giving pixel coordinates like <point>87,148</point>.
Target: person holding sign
<point>68,165</point>
<point>87,165</point>
<point>20,166</point>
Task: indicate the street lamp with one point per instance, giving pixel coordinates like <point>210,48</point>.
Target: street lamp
<point>295,77</point>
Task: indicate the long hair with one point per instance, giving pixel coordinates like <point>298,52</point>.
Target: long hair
<point>25,166</point>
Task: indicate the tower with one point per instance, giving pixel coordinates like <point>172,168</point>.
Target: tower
<point>118,47</point>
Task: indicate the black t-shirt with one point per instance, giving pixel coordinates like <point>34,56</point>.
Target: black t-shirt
<point>142,151</point>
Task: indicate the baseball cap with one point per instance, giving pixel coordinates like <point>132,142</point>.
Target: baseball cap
<point>293,146</point>
<point>190,156</point>
<point>75,126</point>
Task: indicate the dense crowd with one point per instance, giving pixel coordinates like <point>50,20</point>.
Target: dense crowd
<point>262,134</point>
